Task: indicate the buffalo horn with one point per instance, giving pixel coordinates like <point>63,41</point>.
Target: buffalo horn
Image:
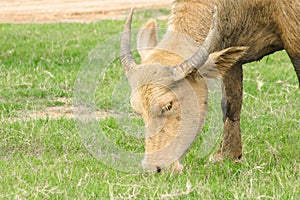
<point>125,50</point>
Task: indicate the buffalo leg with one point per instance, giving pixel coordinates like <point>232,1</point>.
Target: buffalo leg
<point>231,145</point>
<point>296,62</point>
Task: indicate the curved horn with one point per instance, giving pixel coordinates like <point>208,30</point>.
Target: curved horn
<point>198,59</point>
<point>125,49</point>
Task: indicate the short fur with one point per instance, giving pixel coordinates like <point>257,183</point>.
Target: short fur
<point>265,26</point>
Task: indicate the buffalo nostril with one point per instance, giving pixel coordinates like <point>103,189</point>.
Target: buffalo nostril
<point>158,169</point>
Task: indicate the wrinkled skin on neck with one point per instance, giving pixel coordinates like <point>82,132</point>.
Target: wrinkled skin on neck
<point>173,113</point>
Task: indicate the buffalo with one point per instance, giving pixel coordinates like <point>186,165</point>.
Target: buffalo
<point>169,88</point>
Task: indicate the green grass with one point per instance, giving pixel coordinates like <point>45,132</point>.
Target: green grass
<point>46,159</point>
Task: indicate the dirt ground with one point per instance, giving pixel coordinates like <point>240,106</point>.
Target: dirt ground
<point>47,11</point>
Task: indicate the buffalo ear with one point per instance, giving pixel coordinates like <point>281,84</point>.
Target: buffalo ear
<point>219,62</point>
<point>147,38</point>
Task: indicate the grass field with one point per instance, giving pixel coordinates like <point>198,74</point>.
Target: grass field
<point>44,158</point>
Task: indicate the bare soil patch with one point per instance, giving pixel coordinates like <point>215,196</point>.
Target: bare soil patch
<point>67,111</point>
<point>49,11</point>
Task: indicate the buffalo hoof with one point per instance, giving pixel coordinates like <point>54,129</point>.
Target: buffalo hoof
<point>219,157</point>
<point>177,167</point>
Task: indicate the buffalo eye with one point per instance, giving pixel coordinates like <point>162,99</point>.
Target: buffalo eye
<point>167,107</point>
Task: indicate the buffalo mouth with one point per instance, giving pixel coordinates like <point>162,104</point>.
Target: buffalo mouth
<point>158,169</point>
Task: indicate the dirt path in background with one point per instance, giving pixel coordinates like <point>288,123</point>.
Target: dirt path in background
<point>47,11</point>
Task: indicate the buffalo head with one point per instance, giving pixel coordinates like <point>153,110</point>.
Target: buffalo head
<point>172,97</point>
